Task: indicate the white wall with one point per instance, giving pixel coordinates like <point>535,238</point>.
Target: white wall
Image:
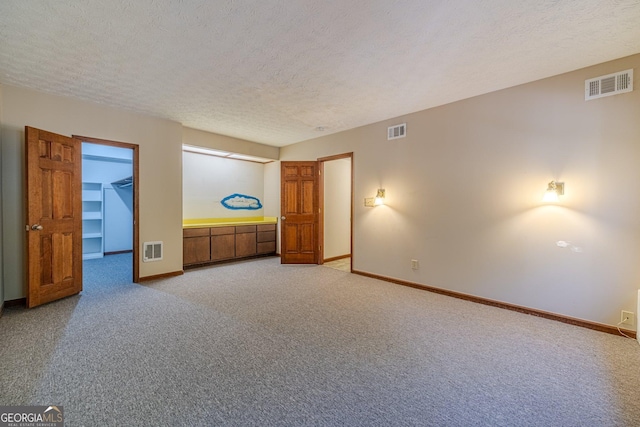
<point>105,171</point>
<point>201,138</point>
<point>464,190</point>
<point>209,179</point>
<point>272,189</point>
<point>337,208</point>
<point>118,220</point>
<point>272,194</point>
<point>90,149</point>
<point>160,181</point>
<point>1,209</point>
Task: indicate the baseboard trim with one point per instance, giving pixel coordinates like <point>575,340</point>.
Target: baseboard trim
<point>161,276</point>
<point>20,302</point>
<point>601,327</point>
<point>336,258</point>
<point>119,252</point>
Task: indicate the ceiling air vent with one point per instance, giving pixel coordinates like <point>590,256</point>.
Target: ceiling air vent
<point>397,131</point>
<point>152,251</point>
<point>611,84</point>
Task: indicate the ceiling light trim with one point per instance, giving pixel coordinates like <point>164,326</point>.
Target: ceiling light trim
<point>224,154</point>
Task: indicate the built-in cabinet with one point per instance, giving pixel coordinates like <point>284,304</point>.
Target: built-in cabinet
<point>208,245</point>
<point>223,243</point>
<point>196,246</point>
<point>92,220</point>
<point>266,239</point>
<point>246,241</point>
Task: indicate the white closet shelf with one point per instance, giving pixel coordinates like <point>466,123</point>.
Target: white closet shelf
<point>92,235</point>
<point>92,213</point>
<point>91,196</point>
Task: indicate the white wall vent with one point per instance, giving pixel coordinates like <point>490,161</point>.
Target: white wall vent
<point>152,251</point>
<point>397,131</point>
<point>611,84</point>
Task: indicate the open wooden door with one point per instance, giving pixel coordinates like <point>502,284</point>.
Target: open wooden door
<point>54,216</point>
<point>299,210</point>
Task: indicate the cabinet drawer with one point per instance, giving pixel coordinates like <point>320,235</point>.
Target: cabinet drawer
<point>266,236</point>
<point>195,232</point>
<point>246,229</point>
<point>266,247</point>
<point>217,231</point>
<point>267,227</point>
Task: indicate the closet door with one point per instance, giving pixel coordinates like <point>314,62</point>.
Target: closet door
<point>118,223</point>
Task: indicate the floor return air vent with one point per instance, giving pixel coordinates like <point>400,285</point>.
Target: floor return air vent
<point>152,251</point>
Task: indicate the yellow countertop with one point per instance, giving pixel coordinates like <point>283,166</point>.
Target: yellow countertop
<point>227,222</point>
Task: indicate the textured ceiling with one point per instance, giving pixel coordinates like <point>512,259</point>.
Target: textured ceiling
<point>273,71</point>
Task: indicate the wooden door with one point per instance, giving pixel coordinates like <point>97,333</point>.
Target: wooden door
<point>299,210</point>
<point>54,216</point>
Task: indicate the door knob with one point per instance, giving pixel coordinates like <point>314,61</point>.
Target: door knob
<point>36,227</point>
<point>283,217</point>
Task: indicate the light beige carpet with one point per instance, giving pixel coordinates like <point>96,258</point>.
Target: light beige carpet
<point>260,344</point>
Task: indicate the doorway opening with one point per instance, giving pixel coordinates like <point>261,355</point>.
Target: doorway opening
<point>336,204</point>
<point>109,213</point>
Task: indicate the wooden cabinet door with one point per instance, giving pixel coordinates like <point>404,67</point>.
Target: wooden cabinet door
<point>196,246</point>
<point>246,241</point>
<point>223,247</point>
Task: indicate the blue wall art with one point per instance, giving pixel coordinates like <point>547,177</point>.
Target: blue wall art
<point>241,201</point>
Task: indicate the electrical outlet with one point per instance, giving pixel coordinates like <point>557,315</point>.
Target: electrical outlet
<point>627,318</point>
<point>414,264</point>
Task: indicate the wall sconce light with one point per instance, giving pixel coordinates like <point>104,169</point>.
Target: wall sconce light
<point>375,201</point>
<point>554,190</point>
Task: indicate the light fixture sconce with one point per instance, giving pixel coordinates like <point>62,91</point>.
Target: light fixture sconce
<point>375,201</point>
<point>554,189</point>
